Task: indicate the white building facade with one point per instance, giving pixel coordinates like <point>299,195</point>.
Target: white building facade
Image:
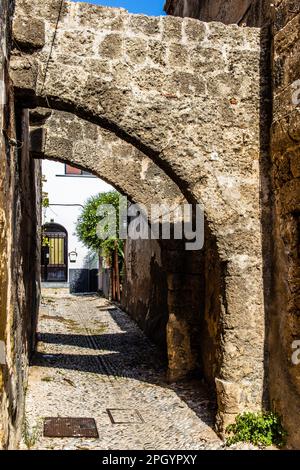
<point>65,260</point>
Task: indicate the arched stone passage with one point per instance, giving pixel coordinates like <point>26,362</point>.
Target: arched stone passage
<point>61,136</point>
<point>192,281</point>
<point>188,94</point>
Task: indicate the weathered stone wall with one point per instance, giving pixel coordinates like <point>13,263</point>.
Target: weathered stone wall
<point>250,12</point>
<point>162,280</point>
<point>189,95</point>
<point>56,135</point>
<point>129,68</point>
<point>62,136</point>
<point>4,213</point>
<point>145,288</point>
<point>19,244</point>
<point>185,277</point>
<point>214,296</point>
<point>285,319</point>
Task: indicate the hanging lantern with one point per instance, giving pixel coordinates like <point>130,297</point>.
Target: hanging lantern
<point>73,256</point>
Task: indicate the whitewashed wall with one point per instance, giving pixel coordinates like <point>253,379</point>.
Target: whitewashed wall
<point>70,189</point>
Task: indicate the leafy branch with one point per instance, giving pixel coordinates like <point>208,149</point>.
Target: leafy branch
<point>86,227</point>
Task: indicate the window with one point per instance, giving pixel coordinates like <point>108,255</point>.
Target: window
<point>70,170</point>
<point>56,250</point>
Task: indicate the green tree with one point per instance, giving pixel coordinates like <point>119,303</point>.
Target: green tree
<point>86,227</point>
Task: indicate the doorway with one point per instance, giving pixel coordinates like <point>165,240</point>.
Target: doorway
<point>54,263</point>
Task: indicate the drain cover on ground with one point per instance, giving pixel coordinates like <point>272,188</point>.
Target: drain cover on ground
<point>70,427</point>
<point>124,416</point>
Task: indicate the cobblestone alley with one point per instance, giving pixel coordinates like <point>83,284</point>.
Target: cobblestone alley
<point>92,358</point>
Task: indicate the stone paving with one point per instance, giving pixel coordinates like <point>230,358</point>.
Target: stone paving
<point>92,357</point>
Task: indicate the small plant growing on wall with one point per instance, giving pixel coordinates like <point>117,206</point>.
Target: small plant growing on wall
<point>45,205</point>
<point>31,435</point>
<point>45,241</point>
<point>45,197</point>
<point>260,429</point>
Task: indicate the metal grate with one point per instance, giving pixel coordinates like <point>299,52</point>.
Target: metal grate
<point>124,416</point>
<point>54,254</point>
<point>70,427</point>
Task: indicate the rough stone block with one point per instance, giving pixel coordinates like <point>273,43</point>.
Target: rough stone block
<point>229,396</point>
<point>45,10</point>
<point>24,72</point>
<point>195,31</point>
<point>136,50</point>
<point>76,43</point>
<point>178,55</point>
<point>172,29</point>
<point>37,141</point>
<point>111,46</point>
<point>284,12</point>
<point>29,33</point>
<point>295,163</point>
<point>157,52</point>
<point>145,24</point>
<point>290,196</point>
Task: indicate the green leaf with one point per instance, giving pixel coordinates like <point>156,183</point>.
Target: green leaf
<point>262,429</point>
<point>86,227</point>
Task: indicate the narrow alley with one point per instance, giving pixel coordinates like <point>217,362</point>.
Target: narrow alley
<point>92,361</point>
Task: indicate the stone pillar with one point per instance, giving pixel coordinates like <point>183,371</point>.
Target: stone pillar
<point>240,380</point>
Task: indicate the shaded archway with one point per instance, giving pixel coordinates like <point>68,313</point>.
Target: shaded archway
<point>190,314</point>
<point>64,137</point>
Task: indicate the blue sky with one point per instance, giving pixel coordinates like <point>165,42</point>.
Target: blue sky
<point>147,7</point>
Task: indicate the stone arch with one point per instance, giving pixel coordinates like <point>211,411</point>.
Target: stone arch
<point>187,94</point>
<point>61,136</point>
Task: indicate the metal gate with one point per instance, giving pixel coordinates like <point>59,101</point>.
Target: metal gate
<point>54,264</point>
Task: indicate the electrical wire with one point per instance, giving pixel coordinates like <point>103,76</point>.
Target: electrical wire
<point>52,46</point>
